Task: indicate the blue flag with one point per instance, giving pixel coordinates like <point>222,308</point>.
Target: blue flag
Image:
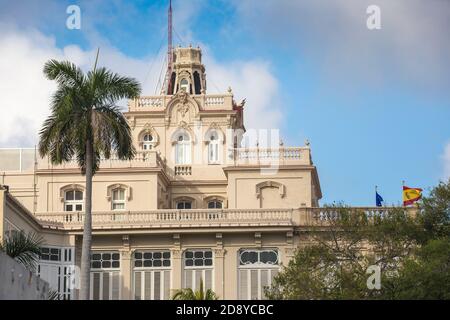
<point>378,199</point>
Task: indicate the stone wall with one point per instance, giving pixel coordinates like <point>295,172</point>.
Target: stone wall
<point>18,283</point>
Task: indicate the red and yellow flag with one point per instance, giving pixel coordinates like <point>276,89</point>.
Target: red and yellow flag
<point>411,195</point>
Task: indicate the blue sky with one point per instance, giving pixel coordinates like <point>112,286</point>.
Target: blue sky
<point>375,104</point>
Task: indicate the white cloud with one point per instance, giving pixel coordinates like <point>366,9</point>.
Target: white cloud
<point>446,161</point>
<point>253,81</point>
<point>25,93</point>
<point>412,46</point>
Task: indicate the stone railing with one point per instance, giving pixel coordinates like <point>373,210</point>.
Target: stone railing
<point>148,103</point>
<point>159,103</point>
<point>273,156</point>
<point>169,218</point>
<point>214,101</point>
<point>142,159</point>
<point>183,170</point>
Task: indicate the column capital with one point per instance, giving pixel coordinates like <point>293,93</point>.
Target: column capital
<point>219,252</point>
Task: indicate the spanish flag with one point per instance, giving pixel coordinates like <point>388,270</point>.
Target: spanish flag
<point>411,195</point>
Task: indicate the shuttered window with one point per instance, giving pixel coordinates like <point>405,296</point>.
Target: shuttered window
<point>105,276</point>
<point>198,266</point>
<point>151,271</point>
<point>257,269</point>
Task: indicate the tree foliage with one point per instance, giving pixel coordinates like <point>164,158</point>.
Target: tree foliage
<point>411,251</point>
<point>200,294</point>
<point>24,248</point>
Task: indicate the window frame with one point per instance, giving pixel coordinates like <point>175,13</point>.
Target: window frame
<point>195,269</point>
<point>213,148</point>
<point>74,203</point>
<point>118,201</point>
<point>259,269</point>
<point>183,149</point>
<point>151,271</point>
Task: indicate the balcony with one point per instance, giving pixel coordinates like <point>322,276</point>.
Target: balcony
<point>273,156</point>
<point>200,218</point>
<point>159,103</point>
<point>147,159</point>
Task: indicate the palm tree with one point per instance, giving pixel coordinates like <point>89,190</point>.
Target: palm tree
<point>200,294</point>
<point>86,124</point>
<point>24,248</point>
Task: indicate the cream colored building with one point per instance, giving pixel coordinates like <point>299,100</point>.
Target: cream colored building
<point>193,204</point>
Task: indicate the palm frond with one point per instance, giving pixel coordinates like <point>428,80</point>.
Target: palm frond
<point>64,72</point>
<point>189,294</point>
<point>24,248</point>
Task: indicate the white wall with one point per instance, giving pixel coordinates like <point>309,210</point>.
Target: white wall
<point>18,283</point>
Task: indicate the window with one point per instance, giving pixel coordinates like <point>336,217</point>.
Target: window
<point>56,266</point>
<point>105,275</point>
<point>147,143</point>
<point>215,204</point>
<point>118,199</point>
<point>198,265</point>
<point>73,200</point>
<point>185,204</point>
<point>183,149</point>
<point>256,271</point>
<point>151,273</point>
<point>50,254</point>
<point>184,85</point>
<point>213,148</point>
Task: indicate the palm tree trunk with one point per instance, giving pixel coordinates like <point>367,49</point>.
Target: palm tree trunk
<point>87,231</point>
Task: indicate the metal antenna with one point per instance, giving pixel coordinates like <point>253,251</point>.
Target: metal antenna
<point>169,51</point>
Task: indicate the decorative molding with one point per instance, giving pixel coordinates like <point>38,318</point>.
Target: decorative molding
<point>289,252</point>
<point>176,253</point>
<point>219,240</point>
<point>68,187</point>
<point>219,253</point>
<point>176,240</point>
<point>271,184</point>
<point>110,188</point>
<point>258,239</point>
<point>290,237</point>
<point>149,129</point>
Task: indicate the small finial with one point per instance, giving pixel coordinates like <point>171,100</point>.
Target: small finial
<point>190,45</point>
<point>307,143</point>
<point>230,90</point>
<point>281,142</point>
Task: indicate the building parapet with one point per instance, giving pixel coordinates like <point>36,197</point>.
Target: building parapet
<point>273,156</point>
<point>159,103</point>
<point>142,159</point>
<point>199,218</point>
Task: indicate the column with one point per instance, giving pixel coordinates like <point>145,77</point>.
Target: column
<point>177,269</point>
<point>219,272</point>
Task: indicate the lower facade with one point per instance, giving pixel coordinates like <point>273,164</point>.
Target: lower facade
<point>235,265</point>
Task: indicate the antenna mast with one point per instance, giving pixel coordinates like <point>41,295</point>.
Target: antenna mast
<point>169,50</point>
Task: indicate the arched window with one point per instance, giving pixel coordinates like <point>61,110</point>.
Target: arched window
<point>118,199</point>
<point>184,204</point>
<point>214,204</point>
<point>183,149</point>
<point>184,85</point>
<point>256,270</point>
<point>213,148</point>
<point>147,142</point>
<point>73,200</point>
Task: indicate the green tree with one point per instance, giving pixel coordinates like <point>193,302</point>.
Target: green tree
<point>412,252</point>
<point>86,124</point>
<point>200,294</point>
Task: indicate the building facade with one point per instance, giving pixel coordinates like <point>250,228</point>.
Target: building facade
<point>194,204</point>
